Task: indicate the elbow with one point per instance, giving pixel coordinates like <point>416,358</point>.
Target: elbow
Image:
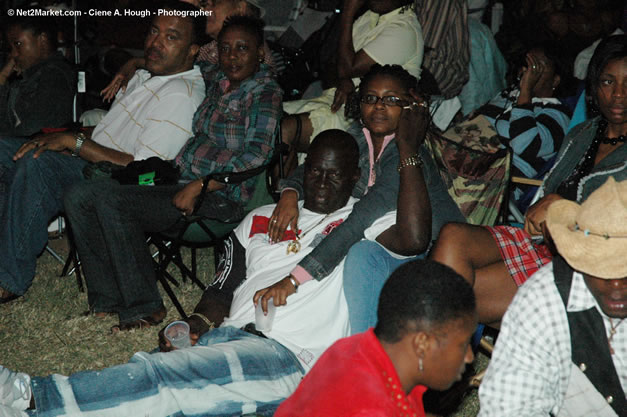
<point>412,244</point>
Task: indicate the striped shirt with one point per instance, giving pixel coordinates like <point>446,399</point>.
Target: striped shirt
<point>534,132</point>
<point>234,130</point>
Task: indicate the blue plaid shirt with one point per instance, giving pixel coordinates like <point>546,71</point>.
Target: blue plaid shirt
<point>234,130</point>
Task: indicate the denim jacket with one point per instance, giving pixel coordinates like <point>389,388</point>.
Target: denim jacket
<point>379,200</point>
<point>575,146</point>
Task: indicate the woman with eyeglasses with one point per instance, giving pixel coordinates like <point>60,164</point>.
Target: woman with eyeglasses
<point>400,188</point>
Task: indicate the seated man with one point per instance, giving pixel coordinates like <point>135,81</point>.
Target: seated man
<point>385,371</point>
<point>233,369</point>
<point>152,118</point>
<point>562,350</point>
<point>43,95</point>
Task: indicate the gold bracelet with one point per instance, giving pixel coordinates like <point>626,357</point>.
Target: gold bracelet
<point>414,160</point>
<point>203,318</point>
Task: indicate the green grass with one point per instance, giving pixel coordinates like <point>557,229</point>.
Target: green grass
<point>46,332</point>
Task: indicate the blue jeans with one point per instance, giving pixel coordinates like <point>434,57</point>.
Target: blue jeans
<point>109,223</point>
<point>228,373</point>
<point>366,269</point>
<point>31,192</point>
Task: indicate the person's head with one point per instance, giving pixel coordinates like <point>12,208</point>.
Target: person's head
<point>31,39</point>
<point>426,317</point>
<point>383,92</point>
<point>173,39</point>
<point>386,6</point>
<point>331,171</point>
<point>606,80</point>
<point>556,78</point>
<point>592,238</point>
<point>222,9</point>
<point>240,48</point>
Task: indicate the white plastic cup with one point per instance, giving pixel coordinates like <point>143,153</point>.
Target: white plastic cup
<point>263,322</point>
<point>177,333</point>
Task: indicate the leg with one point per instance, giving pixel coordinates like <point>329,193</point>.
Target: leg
<point>109,222</point>
<point>232,373</point>
<point>473,253</point>
<point>30,195</point>
<point>366,269</point>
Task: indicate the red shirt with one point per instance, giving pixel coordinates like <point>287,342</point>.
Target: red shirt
<point>354,377</point>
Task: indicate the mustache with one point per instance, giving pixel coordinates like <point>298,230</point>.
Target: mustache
<point>153,50</point>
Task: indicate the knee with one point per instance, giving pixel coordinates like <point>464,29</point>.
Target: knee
<point>454,235</point>
<point>363,261</point>
<point>79,197</point>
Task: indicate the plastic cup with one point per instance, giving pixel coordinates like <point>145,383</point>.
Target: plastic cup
<point>177,333</point>
<point>263,322</point>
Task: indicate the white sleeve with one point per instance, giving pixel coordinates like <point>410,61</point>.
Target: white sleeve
<point>395,44</point>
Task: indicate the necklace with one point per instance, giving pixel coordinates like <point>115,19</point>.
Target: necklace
<point>294,245</point>
<point>604,139</point>
<point>612,333</point>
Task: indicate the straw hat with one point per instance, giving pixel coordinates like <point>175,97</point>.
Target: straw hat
<point>592,237</point>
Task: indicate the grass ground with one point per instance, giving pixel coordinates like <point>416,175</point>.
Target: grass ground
<point>46,332</point>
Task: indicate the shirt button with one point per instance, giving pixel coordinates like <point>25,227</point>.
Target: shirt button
<point>609,399</point>
<point>583,367</point>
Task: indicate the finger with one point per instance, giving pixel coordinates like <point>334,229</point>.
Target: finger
<point>23,150</point>
<point>258,295</point>
<point>264,303</point>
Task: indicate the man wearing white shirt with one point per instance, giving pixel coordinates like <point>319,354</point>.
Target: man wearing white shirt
<point>562,349</point>
<point>153,117</point>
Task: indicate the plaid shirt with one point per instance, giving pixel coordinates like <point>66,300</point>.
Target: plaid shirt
<point>531,365</point>
<point>234,130</point>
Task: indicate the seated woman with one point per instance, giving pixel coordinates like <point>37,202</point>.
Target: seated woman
<point>496,260</point>
<point>387,33</point>
<point>391,109</point>
<point>219,11</point>
<point>426,317</point>
<point>234,130</point>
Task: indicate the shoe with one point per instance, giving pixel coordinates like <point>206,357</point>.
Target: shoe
<point>11,412</point>
<point>15,391</point>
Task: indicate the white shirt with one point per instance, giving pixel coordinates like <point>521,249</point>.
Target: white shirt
<point>315,316</point>
<point>153,117</point>
<point>531,365</point>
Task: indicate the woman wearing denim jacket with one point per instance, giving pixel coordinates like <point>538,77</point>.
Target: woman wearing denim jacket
<point>391,110</point>
<point>497,260</point>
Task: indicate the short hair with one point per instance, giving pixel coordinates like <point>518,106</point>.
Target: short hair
<point>611,48</point>
<point>199,20</point>
<point>250,24</point>
<point>340,141</point>
<point>422,295</point>
<point>397,72</point>
<point>37,25</point>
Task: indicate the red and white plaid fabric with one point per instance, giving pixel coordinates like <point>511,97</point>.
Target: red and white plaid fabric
<point>522,256</point>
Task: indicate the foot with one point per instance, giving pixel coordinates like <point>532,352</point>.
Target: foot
<point>142,323</point>
<point>98,314</point>
<point>15,390</point>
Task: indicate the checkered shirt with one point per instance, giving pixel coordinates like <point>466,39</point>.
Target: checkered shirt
<point>530,368</point>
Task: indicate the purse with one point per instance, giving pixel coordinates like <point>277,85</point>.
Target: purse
<point>151,171</point>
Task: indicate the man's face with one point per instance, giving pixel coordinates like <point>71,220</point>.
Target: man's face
<point>239,54</point>
<point>168,48</point>
<point>611,294</point>
<point>27,49</point>
<point>328,180</point>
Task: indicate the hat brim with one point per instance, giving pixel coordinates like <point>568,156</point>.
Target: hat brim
<point>590,254</point>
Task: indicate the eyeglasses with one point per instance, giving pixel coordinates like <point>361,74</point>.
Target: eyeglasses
<point>386,100</point>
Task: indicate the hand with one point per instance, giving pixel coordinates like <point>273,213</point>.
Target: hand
<point>530,76</point>
<point>8,69</point>
<point>58,142</point>
<point>120,80</point>
<point>285,214</point>
<point>185,199</point>
<point>344,88</point>
<point>197,328</point>
<point>536,214</point>
<point>278,291</point>
<point>413,125</point>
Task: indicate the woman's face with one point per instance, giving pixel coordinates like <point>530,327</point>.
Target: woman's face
<point>239,54</point>
<point>381,119</point>
<point>219,11</point>
<point>611,90</point>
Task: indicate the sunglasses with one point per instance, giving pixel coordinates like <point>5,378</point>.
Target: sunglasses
<point>371,99</point>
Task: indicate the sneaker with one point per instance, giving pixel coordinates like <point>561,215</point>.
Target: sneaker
<point>15,391</point>
<point>11,412</point>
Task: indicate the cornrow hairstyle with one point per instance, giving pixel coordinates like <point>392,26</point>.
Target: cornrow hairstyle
<point>250,24</point>
<point>397,72</point>
<point>422,295</point>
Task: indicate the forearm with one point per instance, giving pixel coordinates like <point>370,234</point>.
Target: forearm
<point>345,50</point>
<point>93,152</point>
<point>539,130</point>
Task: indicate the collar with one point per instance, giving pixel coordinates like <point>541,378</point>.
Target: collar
<point>580,297</point>
<point>145,75</point>
<point>386,140</point>
<point>213,72</point>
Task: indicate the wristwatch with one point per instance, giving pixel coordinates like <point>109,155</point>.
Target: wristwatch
<point>80,138</point>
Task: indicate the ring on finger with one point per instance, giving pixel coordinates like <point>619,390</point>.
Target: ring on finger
<point>273,220</point>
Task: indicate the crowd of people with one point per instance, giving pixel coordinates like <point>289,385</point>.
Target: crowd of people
<point>377,279</point>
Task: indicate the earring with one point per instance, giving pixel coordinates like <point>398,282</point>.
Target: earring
<point>420,366</point>
<point>260,59</point>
